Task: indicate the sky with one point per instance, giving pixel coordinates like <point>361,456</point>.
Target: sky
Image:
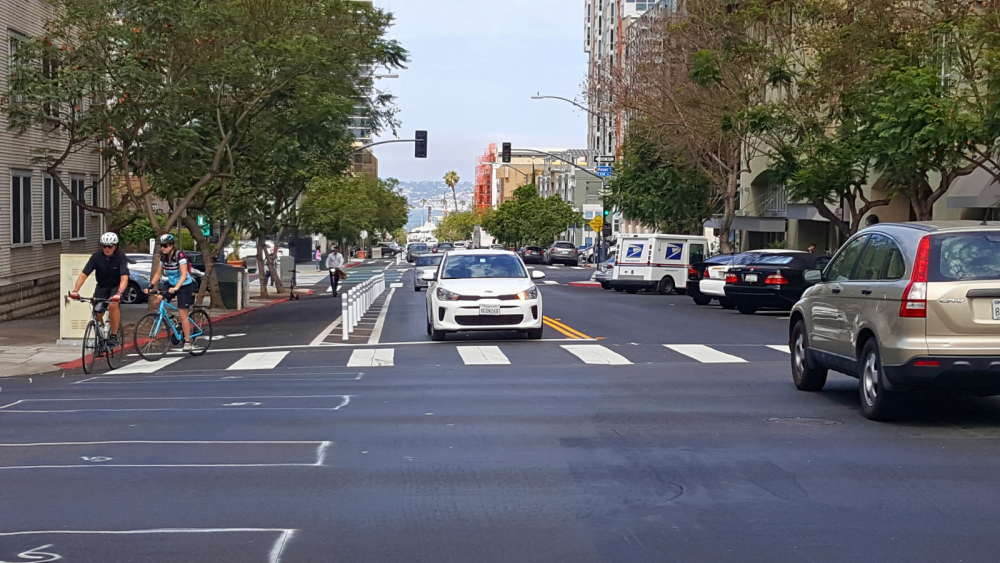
<point>474,66</point>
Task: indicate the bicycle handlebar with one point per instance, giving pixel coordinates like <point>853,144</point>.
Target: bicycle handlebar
<point>91,300</point>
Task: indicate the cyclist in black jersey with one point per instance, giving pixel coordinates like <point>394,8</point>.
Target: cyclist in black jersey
<point>111,266</point>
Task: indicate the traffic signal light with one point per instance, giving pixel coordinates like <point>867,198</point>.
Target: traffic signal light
<point>505,154</point>
<point>607,215</point>
<point>420,150</point>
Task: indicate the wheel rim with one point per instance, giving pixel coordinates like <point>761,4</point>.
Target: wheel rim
<point>151,345</point>
<point>203,341</point>
<point>799,354</point>
<point>114,355</point>
<point>89,348</point>
<point>869,379</point>
<point>131,295</point>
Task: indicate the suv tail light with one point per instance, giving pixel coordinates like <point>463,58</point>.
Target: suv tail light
<point>914,303</point>
<point>732,278</point>
<point>776,279</point>
<point>692,273</point>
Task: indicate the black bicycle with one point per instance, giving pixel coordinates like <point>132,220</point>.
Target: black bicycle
<point>95,337</point>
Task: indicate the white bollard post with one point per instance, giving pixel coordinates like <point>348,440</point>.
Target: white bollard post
<point>344,314</point>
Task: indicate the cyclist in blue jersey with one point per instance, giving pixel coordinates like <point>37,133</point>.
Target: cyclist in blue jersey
<point>179,282</point>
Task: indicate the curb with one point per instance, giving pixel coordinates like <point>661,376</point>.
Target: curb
<point>584,284</point>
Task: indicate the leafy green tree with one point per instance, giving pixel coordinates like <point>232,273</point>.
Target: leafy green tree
<point>529,218</point>
<point>458,226</point>
<point>661,192</point>
<point>340,207</point>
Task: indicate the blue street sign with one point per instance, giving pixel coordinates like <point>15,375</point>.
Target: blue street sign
<point>604,171</point>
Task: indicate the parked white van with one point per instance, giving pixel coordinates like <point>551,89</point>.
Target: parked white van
<point>656,262</point>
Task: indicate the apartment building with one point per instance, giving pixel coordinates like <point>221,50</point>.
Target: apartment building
<point>577,187</point>
<point>38,223</point>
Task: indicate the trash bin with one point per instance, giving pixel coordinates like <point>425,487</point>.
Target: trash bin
<point>286,265</point>
<point>376,252</point>
<point>232,286</point>
<point>361,254</point>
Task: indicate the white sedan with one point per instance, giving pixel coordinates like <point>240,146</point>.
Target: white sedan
<point>483,290</point>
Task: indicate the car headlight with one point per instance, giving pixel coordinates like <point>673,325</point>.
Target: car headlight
<point>530,293</point>
<point>445,295</point>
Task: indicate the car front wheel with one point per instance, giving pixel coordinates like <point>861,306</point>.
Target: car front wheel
<point>131,294</point>
<point>877,402</point>
<point>804,377</point>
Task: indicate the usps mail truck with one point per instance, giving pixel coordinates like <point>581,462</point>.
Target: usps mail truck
<point>656,262</point>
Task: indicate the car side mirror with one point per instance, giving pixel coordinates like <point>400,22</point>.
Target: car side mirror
<point>537,275</point>
<point>429,275</point>
<point>813,276</point>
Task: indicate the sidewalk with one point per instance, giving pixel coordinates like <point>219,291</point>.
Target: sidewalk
<point>29,346</point>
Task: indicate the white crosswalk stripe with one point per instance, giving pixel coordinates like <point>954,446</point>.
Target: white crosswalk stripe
<point>578,267</point>
<point>372,358</point>
<point>780,348</point>
<point>483,356</point>
<point>596,354</point>
<point>146,367</point>
<point>550,282</point>
<point>258,360</point>
<point>704,354</point>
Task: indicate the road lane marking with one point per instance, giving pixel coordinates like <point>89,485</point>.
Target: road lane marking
<point>326,332</point>
<point>578,267</point>
<point>146,367</point>
<point>483,356</point>
<point>373,357</point>
<point>780,348</point>
<point>380,323</point>
<point>258,360</point>
<point>704,354</point>
<point>550,282</point>
<point>563,328</point>
<point>344,401</point>
<point>596,355</point>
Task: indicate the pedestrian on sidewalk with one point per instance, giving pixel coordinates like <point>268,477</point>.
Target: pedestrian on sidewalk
<point>111,266</point>
<point>318,257</point>
<point>335,263</point>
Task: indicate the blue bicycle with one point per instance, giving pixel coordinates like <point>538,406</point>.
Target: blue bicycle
<point>157,332</point>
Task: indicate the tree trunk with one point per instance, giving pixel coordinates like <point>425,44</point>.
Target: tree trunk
<point>261,266</point>
<point>454,198</point>
<point>272,263</point>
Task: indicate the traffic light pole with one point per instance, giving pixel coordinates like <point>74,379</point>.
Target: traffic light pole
<point>370,145</point>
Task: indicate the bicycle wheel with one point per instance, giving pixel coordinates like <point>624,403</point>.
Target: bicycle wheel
<point>115,355</point>
<point>151,338</point>
<point>201,331</point>
<point>89,347</point>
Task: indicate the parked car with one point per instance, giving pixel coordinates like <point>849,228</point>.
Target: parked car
<point>532,254</point>
<point>562,252</point>
<point>138,258</point>
<point>388,250</point>
<point>770,281</point>
<point>415,249</point>
<point>604,272</point>
<point>656,262</point>
<point>483,290</point>
<point>903,306</point>
<point>138,280</point>
<point>701,276</point>
<point>443,247</point>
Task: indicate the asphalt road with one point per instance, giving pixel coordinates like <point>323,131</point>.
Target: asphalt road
<point>702,451</point>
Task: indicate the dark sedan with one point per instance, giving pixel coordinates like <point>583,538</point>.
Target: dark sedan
<point>443,247</point>
<point>772,281</point>
<point>533,255</point>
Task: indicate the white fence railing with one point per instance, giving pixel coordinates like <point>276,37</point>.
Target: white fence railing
<point>358,300</point>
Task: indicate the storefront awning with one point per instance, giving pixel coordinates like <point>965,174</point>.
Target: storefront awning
<point>978,189</point>
<point>749,223</point>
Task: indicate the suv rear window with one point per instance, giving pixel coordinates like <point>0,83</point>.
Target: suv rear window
<point>564,245</point>
<point>965,256</point>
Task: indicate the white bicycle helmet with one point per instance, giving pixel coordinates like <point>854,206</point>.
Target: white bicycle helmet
<point>109,239</point>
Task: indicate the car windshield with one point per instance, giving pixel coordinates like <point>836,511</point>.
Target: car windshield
<point>966,256</point>
<point>419,248</point>
<point>430,260</point>
<point>745,258</point>
<point>483,266</point>
<point>773,260</point>
<point>564,245</point>
<point>445,245</point>
<point>720,259</point>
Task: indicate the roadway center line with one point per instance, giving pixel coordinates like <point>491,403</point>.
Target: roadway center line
<point>377,331</point>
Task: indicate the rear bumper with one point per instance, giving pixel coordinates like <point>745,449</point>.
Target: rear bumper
<point>763,297</point>
<point>714,288</point>
<point>950,372</point>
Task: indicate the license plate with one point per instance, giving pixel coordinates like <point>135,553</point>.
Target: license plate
<point>750,278</point>
<point>996,309</point>
<point>491,310</point>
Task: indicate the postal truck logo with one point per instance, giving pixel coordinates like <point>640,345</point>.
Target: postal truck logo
<point>674,251</point>
<point>634,251</point>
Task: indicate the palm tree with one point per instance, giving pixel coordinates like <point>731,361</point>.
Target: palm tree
<point>444,202</point>
<point>423,206</point>
<point>452,179</point>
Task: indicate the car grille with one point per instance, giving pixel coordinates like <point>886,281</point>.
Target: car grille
<point>498,297</point>
<point>488,320</point>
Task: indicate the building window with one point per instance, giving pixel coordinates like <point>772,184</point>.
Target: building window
<point>52,208</point>
<point>20,207</point>
<point>77,219</point>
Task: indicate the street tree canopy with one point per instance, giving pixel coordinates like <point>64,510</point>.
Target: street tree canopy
<point>530,218</point>
<point>340,207</point>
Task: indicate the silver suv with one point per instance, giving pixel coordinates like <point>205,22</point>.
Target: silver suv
<point>904,306</point>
